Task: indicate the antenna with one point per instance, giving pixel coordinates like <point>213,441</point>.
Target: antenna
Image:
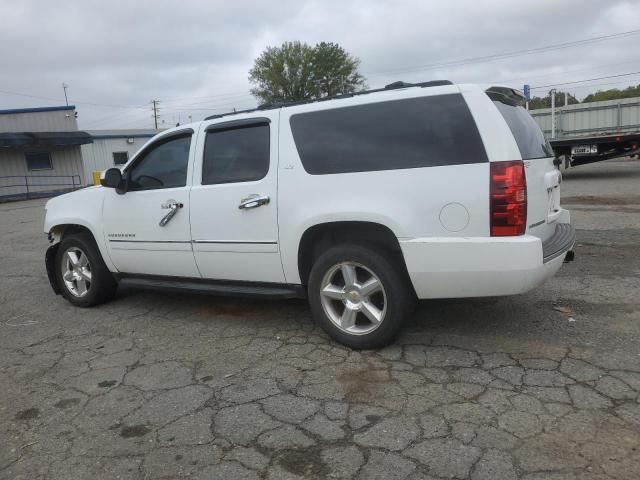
<point>64,87</point>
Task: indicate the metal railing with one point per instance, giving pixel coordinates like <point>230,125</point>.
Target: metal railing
<point>17,187</point>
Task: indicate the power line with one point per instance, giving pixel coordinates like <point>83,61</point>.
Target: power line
<point>77,102</point>
<point>30,96</point>
<point>216,105</point>
<point>206,109</point>
<point>487,58</point>
<point>460,62</point>
<point>112,116</point>
<point>586,80</point>
<point>511,54</point>
<point>555,74</point>
<point>110,105</point>
<point>135,123</point>
<point>222,95</point>
<point>601,85</point>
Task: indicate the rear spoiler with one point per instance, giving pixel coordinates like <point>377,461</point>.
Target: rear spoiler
<point>506,95</point>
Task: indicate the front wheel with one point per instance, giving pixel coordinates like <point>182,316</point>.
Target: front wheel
<point>359,295</point>
<point>83,277</point>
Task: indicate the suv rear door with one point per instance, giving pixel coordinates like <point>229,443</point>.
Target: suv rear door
<point>543,178</point>
<point>234,217</point>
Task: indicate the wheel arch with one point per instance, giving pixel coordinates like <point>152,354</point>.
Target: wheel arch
<point>59,230</point>
<point>321,236</point>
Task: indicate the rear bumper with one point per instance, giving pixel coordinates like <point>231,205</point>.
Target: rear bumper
<point>559,243</point>
<point>481,266</point>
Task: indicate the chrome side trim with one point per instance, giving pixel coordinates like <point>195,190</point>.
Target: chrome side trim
<point>150,241</point>
<point>235,242</point>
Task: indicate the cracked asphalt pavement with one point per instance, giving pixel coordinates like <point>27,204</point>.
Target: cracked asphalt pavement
<point>154,385</point>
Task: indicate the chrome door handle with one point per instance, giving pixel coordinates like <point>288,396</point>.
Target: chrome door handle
<point>253,201</point>
<point>173,207</point>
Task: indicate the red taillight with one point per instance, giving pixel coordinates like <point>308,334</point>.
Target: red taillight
<point>508,198</point>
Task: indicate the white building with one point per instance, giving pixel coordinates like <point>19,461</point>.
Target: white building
<point>111,148</point>
<point>40,151</point>
<point>43,153</point>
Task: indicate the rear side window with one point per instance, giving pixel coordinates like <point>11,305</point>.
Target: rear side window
<point>408,133</point>
<point>236,155</point>
<point>526,131</point>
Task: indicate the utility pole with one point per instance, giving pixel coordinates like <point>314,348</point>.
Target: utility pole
<point>64,87</point>
<point>566,99</point>
<point>155,112</point>
<point>553,113</point>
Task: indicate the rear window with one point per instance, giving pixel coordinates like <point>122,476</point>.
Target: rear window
<point>409,133</point>
<point>526,131</point>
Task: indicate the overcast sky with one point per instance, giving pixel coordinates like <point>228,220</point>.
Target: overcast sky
<point>194,56</point>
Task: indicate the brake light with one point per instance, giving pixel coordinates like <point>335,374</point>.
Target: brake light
<point>508,198</point>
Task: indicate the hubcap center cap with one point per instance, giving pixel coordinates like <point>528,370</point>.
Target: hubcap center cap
<point>354,297</point>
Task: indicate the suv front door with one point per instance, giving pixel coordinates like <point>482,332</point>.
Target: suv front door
<point>234,218</point>
<point>147,228</point>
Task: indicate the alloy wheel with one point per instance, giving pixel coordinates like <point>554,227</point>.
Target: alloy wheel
<point>76,271</point>
<point>353,298</point>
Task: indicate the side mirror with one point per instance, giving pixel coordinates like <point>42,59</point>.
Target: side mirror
<point>113,179</point>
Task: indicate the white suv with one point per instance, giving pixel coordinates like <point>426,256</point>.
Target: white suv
<point>362,203</point>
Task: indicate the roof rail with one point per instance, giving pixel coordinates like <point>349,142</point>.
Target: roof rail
<point>391,86</point>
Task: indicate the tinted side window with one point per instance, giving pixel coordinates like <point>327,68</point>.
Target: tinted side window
<point>526,131</point>
<point>409,133</point>
<point>164,166</point>
<point>236,155</point>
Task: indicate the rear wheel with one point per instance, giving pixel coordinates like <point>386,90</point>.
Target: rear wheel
<point>359,295</point>
<point>81,273</point>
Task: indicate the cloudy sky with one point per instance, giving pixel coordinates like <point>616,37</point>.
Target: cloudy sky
<point>194,56</point>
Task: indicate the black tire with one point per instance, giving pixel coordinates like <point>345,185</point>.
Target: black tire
<point>400,298</point>
<point>102,287</point>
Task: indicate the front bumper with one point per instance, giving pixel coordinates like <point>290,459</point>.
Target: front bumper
<point>484,266</point>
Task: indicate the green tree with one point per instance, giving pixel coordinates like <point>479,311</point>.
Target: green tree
<point>545,102</point>
<point>297,71</point>
<point>613,94</point>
